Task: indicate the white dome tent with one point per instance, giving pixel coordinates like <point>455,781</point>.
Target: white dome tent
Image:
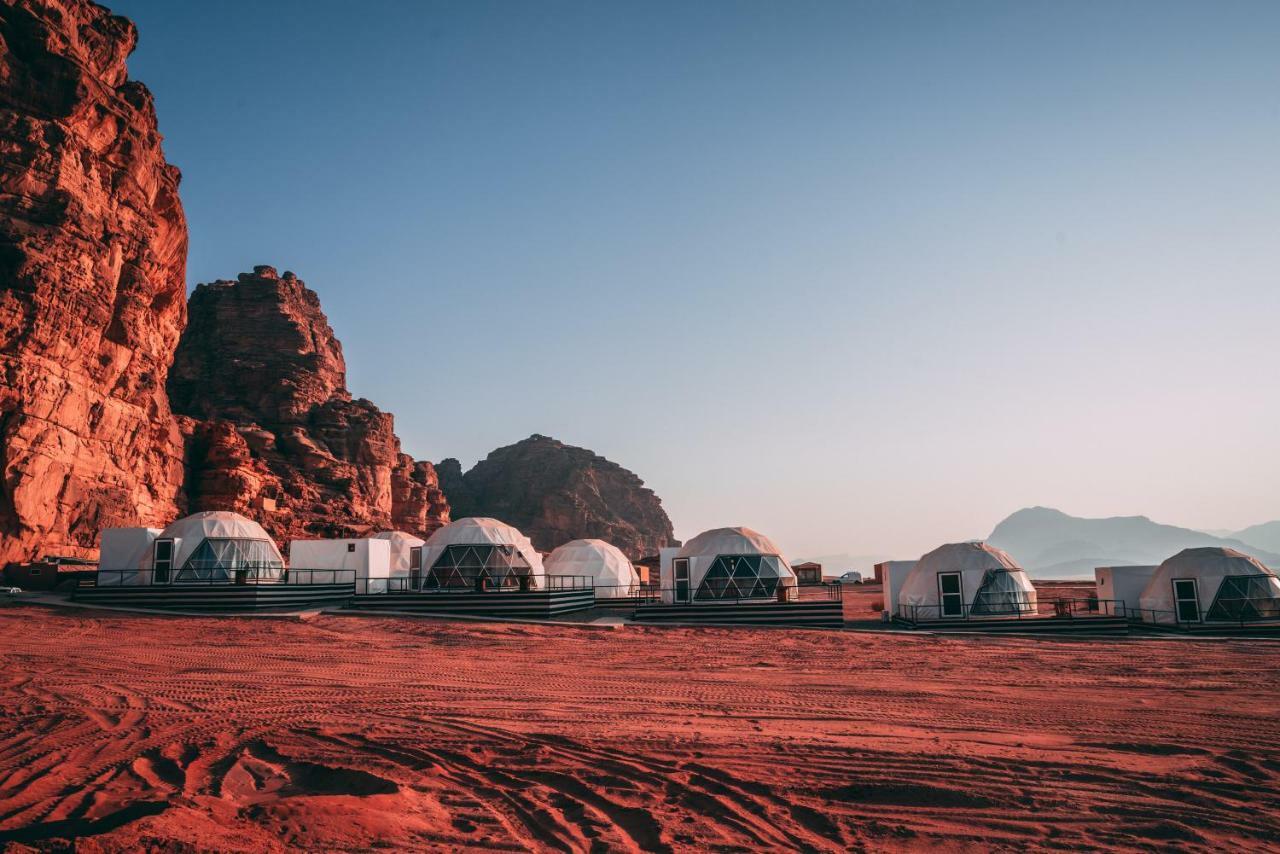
<point>1235,586</point>
<point>966,579</point>
<point>611,573</point>
<point>726,564</point>
<point>478,552</point>
<point>213,545</point>
<point>206,547</point>
<point>406,553</point>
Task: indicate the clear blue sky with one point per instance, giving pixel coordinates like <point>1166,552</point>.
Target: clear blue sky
<point>865,276</point>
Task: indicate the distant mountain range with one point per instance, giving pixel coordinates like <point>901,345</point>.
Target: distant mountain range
<point>1051,544</point>
<point>1264,536</point>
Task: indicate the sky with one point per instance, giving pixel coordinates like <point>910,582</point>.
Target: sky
<point>864,276</point>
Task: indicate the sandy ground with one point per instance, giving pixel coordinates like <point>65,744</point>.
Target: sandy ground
<point>344,733</point>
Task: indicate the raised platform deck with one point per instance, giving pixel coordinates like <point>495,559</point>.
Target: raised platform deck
<point>218,598</point>
<point>529,604</point>
<point>823,614</point>
<point>1256,629</point>
<point>1106,624</point>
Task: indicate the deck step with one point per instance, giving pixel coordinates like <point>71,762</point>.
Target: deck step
<point>826,614</point>
<point>530,604</point>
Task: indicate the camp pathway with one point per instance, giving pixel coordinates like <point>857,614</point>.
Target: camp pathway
<point>339,732</point>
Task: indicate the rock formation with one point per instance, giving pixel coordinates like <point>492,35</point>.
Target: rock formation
<point>555,492</point>
<point>272,430</point>
<point>93,248</point>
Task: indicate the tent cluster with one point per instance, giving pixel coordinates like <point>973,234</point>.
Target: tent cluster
<point>723,564</point>
<point>468,554</point>
<point>977,581</point>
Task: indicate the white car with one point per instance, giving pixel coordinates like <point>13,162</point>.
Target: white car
<point>850,577</point>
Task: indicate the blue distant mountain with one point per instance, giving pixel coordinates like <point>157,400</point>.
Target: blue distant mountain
<point>1052,544</point>
<point>1264,536</point>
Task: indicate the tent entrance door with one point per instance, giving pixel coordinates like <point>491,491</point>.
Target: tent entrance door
<point>415,567</point>
<point>680,568</point>
<point>950,595</point>
<point>1186,599</point>
<point>161,561</point>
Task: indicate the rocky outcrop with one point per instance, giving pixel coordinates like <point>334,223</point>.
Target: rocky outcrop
<point>555,493</point>
<point>93,248</point>
<point>272,429</point>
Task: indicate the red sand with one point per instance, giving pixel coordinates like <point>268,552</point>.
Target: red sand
<point>348,732</point>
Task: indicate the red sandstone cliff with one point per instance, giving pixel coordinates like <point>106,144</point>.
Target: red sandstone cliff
<point>262,381</point>
<point>93,248</point>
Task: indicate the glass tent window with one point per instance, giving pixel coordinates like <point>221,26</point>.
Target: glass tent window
<point>219,559</point>
<point>741,577</point>
<point>1246,597</point>
<point>1000,593</point>
<point>459,567</point>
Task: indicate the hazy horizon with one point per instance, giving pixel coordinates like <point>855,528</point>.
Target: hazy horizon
<point>866,277</point>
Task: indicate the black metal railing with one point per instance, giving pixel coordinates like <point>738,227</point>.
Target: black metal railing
<point>781,594</point>
<point>187,577</point>
<point>512,584</point>
<point>1023,609</point>
<point>1176,619</point>
<point>570,582</point>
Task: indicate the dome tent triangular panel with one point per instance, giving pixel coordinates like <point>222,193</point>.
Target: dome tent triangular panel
<point>467,547</point>
<point>1210,584</point>
<point>959,579</point>
<point>725,563</point>
<point>611,573</point>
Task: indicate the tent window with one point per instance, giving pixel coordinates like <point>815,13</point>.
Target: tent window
<point>415,557</point>
<point>1186,600</point>
<point>461,567</point>
<point>740,577</point>
<point>949,594</point>
<point>218,559</point>
<point>1000,593</point>
<point>1246,597</point>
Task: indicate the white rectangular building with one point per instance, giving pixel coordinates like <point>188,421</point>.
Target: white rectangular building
<point>318,562</point>
<point>1123,584</point>
<point>891,574</point>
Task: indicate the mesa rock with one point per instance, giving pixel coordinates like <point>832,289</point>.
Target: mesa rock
<point>555,493</point>
<point>272,430</point>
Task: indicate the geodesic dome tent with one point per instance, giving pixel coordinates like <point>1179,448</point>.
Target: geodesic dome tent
<point>204,547</point>
<point>731,563</point>
<point>1237,588</point>
<point>611,573</point>
<point>459,555</point>
<point>402,546</point>
<point>962,579</point>
<point>213,545</point>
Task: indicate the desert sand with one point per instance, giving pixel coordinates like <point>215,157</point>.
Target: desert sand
<point>345,732</point>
